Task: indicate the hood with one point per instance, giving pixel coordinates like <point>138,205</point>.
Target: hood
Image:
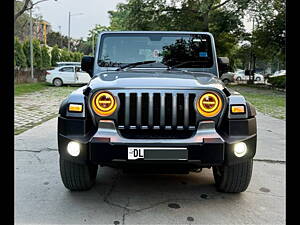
<point>155,79</point>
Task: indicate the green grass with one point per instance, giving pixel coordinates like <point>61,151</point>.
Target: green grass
<point>267,101</point>
<point>27,88</point>
<point>21,89</point>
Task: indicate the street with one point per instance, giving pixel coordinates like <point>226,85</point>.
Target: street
<point>119,198</point>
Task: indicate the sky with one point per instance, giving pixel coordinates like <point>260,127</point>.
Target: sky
<point>93,12</point>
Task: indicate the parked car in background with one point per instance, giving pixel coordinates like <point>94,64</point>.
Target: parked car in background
<point>227,77</point>
<point>240,75</point>
<point>279,73</point>
<point>67,75</point>
<point>59,64</point>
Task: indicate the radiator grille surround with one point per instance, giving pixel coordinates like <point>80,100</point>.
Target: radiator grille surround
<point>156,113</point>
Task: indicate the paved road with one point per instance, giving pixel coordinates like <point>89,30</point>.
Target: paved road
<point>117,198</point>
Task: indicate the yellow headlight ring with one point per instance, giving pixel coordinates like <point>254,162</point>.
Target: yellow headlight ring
<point>96,103</point>
<point>212,111</point>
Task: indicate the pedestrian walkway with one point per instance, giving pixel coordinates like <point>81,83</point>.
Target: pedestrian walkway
<point>37,107</point>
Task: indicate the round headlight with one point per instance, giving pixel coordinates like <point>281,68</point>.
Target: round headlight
<point>209,104</point>
<point>104,103</point>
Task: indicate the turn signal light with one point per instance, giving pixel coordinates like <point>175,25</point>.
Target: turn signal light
<point>75,108</point>
<point>238,109</point>
<point>104,103</point>
<point>209,104</point>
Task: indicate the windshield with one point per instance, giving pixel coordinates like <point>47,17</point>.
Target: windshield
<point>179,50</point>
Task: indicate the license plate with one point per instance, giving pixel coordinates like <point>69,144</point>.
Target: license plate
<point>157,153</point>
<point>135,153</point>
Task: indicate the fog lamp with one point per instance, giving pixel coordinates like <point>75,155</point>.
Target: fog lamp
<point>240,149</point>
<point>73,148</point>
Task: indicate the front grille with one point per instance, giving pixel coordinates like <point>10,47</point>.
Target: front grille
<point>156,115</point>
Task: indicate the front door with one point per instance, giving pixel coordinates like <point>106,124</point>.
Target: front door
<point>83,77</point>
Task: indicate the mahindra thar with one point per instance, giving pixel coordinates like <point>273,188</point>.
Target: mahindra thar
<point>155,104</point>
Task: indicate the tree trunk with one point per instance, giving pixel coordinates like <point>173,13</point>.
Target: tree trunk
<point>205,22</point>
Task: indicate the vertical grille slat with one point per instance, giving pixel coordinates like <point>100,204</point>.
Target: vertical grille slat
<point>150,110</point>
<point>139,110</point>
<point>186,110</point>
<point>174,110</point>
<point>162,109</point>
<point>127,109</point>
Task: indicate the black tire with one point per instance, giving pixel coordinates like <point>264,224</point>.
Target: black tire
<point>234,178</point>
<point>77,177</point>
<point>238,78</point>
<point>226,81</point>
<point>258,79</point>
<point>57,82</point>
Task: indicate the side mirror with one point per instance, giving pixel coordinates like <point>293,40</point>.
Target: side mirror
<point>87,64</point>
<point>223,65</point>
<point>223,60</point>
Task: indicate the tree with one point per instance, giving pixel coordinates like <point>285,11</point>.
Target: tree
<point>77,56</point>
<point>20,58</point>
<point>222,18</point>
<point>55,38</point>
<point>65,56</point>
<point>87,46</point>
<point>55,55</point>
<point>26,49</point>
<point>37,54</point>
<point>22,6</point>
<point>46,60</point>
<point>192,15</point>
<point>20,10</point>
<point>269,36</point>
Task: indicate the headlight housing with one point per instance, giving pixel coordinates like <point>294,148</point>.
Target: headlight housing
<point>209,104</point>
<point>104,103</point>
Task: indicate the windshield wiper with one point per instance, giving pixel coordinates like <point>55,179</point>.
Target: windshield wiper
<point>180,64</point>
<point>136,64</point>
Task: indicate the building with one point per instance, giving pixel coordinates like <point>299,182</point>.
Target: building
<point>40,30</point>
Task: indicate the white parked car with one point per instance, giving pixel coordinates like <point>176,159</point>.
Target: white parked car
<point>279,73</point>
<point>67,75</point>
<point>240,75</point>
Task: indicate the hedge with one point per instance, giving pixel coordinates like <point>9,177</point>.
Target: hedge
<point>277,81</point>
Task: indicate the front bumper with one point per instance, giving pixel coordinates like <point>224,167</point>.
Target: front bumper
<point>107,147</point>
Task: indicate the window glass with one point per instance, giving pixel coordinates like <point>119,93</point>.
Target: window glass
<point>67,69</point>
<point>180,50</point>
<point>78,69</point>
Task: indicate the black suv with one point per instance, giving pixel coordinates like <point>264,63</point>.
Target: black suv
<point>155,103</point>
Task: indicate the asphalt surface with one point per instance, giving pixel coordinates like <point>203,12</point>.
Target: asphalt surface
<point>118,198</point>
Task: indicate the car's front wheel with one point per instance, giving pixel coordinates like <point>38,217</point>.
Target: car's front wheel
<point>238,78</point>
<point>258,79</point>
<point>234,178</point>
<point>77,177</point>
